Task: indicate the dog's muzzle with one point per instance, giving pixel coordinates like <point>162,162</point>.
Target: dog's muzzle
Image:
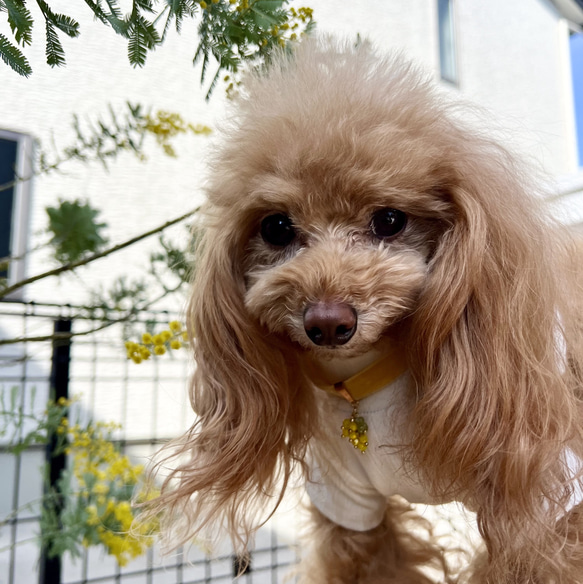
<point>330,323</point>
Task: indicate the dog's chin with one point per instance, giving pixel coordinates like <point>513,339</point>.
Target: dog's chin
<point>328,353</point>
<point>342,362</point>
<point>358,345</point>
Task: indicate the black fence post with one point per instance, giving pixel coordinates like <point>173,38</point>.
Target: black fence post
<point>241,564</point>
<point>50,568</point>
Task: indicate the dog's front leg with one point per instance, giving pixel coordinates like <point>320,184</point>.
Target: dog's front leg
<point>391,553</point>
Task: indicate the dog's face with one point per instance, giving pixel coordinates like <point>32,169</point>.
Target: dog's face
<point>342,240</point>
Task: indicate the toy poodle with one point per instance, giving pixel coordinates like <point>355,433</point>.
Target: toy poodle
<point>383,303</point>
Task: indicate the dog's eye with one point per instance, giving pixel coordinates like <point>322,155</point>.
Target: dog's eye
<point>388,222</point>
<point>277,230</point>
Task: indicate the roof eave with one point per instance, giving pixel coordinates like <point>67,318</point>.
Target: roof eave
<point>571,9</point>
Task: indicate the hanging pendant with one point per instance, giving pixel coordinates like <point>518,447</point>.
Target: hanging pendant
<point>355,429</point>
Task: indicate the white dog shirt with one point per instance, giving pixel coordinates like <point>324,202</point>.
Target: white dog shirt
<point>351,488</point>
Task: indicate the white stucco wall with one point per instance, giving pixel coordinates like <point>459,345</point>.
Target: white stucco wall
<point>410,27</point>
<point>512,60</point>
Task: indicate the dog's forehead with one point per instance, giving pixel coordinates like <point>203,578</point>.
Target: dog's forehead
<point>337,184</point>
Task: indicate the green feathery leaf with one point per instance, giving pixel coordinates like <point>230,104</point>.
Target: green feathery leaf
<point>213,83</point>
<point>20,21</point>
<point>97,10</point>
<point>13,57</point>
<point>177,10</point>
<point>169,18</point>
<point>114,8</point>
<point>262,19</point>
<point>65,23</point>
<point>54,48</point>
<point>137,47</point>
<point>270,5</point>
<point>144,5</point>
<point>120,26</point>
<point>150,33</point>
<point>115,18</point>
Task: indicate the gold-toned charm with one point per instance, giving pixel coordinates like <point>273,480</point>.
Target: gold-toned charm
<point>355,429</point>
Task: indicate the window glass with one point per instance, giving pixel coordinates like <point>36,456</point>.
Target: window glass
<point>576,43</point>
<point>8,153</point>
<point>447,57</point>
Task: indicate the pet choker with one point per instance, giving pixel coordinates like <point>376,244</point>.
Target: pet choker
<point>369,380</point>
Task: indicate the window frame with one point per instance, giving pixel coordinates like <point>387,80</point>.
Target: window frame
<point>21,207</point>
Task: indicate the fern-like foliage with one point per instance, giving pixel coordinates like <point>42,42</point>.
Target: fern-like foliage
<point>143,35</point>
<point>247,33</point>
<point>13,57</point>
<point>54,48</point>
<point>65,23</point>
<point>177,11</point>
<point>19,19</point>
<point>97,10</point>
<point>53,21</point>
<point>231,32</point>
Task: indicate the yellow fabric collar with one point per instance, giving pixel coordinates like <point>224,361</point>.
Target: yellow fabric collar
<point>367,381</point>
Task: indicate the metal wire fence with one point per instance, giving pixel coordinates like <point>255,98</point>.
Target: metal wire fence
<point>149,403</point>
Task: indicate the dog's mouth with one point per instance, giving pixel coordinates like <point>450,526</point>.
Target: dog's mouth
<point>330,324</point>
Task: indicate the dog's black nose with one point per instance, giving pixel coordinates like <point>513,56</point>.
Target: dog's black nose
<point>330,323</point>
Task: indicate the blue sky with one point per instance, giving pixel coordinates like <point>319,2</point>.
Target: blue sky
<point>577,67</point>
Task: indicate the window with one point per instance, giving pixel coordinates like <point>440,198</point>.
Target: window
<point>576,46</point>
<point>15,165</point>
<point>447,55</point>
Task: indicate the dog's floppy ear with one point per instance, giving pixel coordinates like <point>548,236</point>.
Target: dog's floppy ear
<point>496,405</point>
<point>252,412</point>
